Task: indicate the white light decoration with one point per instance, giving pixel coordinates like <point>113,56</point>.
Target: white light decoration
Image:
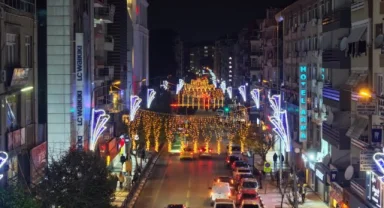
<point>223,86</point>
<point>213,77</point>
<point>180,86</point>
<point>3,161</point>
<point>98,126</point>
<point>150,97</point>
<point>379,160</point>
<point>165,85</point>
<point>229,91</point>
<point>243,93</point>
<point>280,120</point>
<point>255,94</point>
<point>135,105</point>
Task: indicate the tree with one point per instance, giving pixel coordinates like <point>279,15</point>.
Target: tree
<point>78,179</point>
<point>16,197</point>
<point>257,142</point>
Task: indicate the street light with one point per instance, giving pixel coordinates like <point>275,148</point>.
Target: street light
<point>26,89</point>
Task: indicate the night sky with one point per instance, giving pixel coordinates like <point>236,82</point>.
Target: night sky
<point>198,20</point>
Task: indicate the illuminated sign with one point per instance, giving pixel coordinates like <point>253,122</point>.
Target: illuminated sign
<point>376,190</point>
<point>303,103</point>
<point>135,105</point>
<point>3,161</point>
<point>319,174</point>
<point>229,91</point>
<point>99,119</point>
<point>223,86</point>
<point>255,94</point>
<point>179,86</point>
<point>379,160</point>
<point>311,166</point>
<point>79,62</point>
<point>20,76</point>
<point>243,92</point>
<point>150,97</point>
<point>280,121</point>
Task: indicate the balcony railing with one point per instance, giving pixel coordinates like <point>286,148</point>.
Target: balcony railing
<point>336,137</point>
<point>357,5</point>
<point>22,5</point>
<point>337,19</point>
<point>336,59</point>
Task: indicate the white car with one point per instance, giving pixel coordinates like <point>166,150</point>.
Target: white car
<point>224,203</point>
<point>240,171</point>
<point>250,203</point>
<point>220,190</point>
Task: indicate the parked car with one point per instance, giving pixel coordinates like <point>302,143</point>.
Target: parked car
<point>224,203</point>
<point>231,159</point>
<point>246,195</point>
<point>220,190</point>
<point>248,184</point>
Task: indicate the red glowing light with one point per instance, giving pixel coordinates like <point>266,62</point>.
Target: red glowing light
<point>137,10</point>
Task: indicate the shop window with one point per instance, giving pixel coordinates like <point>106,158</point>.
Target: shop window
<point>12,111</point>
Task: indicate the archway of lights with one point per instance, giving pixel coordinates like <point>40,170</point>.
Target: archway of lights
<point>201,95</point>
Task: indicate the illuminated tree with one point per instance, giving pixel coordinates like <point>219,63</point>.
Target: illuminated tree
<point>156,130</point>
<point>257,143</point>
<point>147,122</point>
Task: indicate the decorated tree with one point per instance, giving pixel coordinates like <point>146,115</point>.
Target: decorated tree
<point>257,143</point>
<point>156,126</point>
<point>17,197</point>
<point>78,179</point>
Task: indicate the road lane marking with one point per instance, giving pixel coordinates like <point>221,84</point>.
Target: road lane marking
<point>161,184</point>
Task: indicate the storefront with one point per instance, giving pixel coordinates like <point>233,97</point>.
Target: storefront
<point>321,185</point>
<point>353,200</point>
<point>336,196</point>
<point>310,173</point>
<point>375,193</point>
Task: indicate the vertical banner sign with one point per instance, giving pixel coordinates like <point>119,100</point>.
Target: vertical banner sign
<point>79,66</point>
<point>303,103</point>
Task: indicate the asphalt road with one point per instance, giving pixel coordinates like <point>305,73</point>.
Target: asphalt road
<point>181,182</point>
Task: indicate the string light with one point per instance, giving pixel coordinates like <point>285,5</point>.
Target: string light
<point>150,97</point>
<point>165,85</point>
<point>3,161</point>
<point>229,91</point>
<point>280,120</point>
<point>255,94</point>
<point>242,91</point>
<point>97,127</point>
<point>179,86</point>
<point>223,86</point>
<point>135,105</point>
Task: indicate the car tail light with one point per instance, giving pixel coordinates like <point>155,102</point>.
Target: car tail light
<point>231,180</point>
<point>229,194</point>
<point>227,161</point>
<point>201,150</point>
<point>191,153</point>
<point>210,150</point>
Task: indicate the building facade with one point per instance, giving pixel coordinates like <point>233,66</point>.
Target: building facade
<point>19,91</point>
<point>201,56</point>
<point>226,61</point>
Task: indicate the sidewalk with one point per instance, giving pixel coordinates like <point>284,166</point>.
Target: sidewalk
<point>121,194</point>
<point>271,197</point>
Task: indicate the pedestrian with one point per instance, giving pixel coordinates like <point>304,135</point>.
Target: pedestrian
<point>128,167</point>
<point>282,158</point>
<point>135,178</point>
<point>275,160</point>
<point>303,192</point>
<point>121,180</point>
<point>122,159</point>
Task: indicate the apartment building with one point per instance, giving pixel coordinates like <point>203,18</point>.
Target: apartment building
<point>20,137</point>
<point>256,54</point>
<point>226,61</point>
<point>200,55</point>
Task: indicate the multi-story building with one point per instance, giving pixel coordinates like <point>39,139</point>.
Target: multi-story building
<point>226,61</point>
<point>19,91</point>
<point>256,54</point>
<point>179,56</point>
<point>201,56</point>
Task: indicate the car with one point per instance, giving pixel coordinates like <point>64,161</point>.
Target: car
<point>235,149</point>
<point>175,206</point>
<point>246,195</point>
<point>241,170</point>
<point>249,203</point>
<point>225,179</point>
<point>204,152</point>
<point>220,190</point>
<point>239,164</point>
<point>231,159</point>
<point>187,153</point>
<point>243,177</point>
<point>248,184</point>
<point>224,203</point>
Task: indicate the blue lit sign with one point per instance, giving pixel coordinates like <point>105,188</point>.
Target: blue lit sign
<point>303,121</point>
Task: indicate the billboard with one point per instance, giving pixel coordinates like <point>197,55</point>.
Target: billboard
<point>79,67</point>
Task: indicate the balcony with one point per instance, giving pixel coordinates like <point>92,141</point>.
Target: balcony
<point>98,3</point>
<point>336,20</point>
<point>381,60</point>
<point>336,137</point>
<point>105,14</point>
<point>336,59</point>
<point>104,73</point>
<point>380,105</point>
<point>21,5</point>
<point>381,7</point>
<point>357,6</point>
<point>109,43</point>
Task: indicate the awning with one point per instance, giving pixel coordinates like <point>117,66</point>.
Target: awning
<point>356,34</point>
<point>356,78</point>
<point>357,128</point>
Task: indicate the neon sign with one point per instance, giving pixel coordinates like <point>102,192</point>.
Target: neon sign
<point>223,86</point>
<point>280,121</point>
<point>99,119</point>
<point>243,93</point>
<point>229,91</point>
<point>179,86</point>
<point>3,160</point>
<point>255,94</point>
<point>379,160</point>
<point>150,97</point>
<point>135,105</point>
<point>303,103</point>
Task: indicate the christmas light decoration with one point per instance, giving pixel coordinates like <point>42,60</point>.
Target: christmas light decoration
<point>255,94</point>
<point>280,121</point>
<point>150,97</point>
<point>98,121</point>
<point>135,105</point>
<point>379,160</point>
<point>179,86</point>
<point>213,77</point>
<point>223,86</point>
<point>229,91</point>
<point>165,85</point>
<point>3,161</point>
<point>156,126</point>
<point>243,93</point>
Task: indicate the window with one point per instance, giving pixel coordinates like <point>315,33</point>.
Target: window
<point>322,8</point>
<point>28,108</point>
<point>253,62</point>
<point>328,7</point>
<point>380,84</point>
<point>205,47</point>
<point>11,49</point>
<point>28,51</point>
<point>309,14</point>
<point>378,31</point>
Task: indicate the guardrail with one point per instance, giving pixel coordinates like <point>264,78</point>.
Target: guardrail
<point>136,189</point>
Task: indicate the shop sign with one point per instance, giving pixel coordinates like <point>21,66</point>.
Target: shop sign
<point>38,162</point>
<point>366,160</point>
<point>319,175</point>
<point>20,77</point>
<point>366,108</point>
<point>375,190</point>
<point>376,135</point>
<point>79,79</point>
<point>333,175</point>
<point>311,166</point>
<point>303,120</point>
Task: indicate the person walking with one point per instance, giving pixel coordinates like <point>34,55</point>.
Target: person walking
<point>282,158</point>
<point>275,160</point>
<point>303,193</point>
<point>121,180</point>
<point>122,160</point>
